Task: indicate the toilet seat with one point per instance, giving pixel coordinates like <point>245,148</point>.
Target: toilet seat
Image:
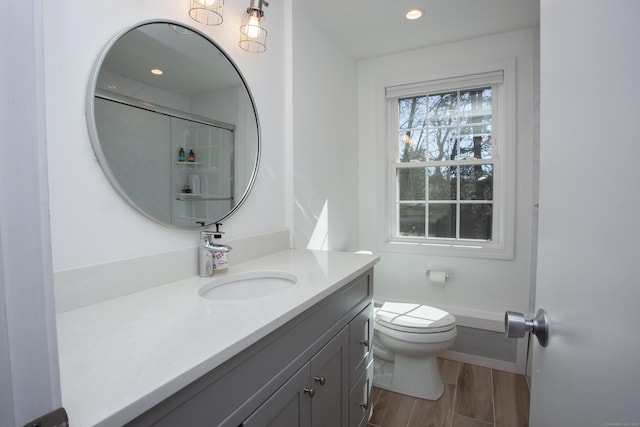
<point>414,318</point>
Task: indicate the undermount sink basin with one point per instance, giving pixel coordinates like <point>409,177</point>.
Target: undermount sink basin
<point>247,285</point>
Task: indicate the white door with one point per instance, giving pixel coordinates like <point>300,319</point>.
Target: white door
<point>589,236</point>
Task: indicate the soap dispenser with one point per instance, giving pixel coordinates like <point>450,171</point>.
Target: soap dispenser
<point>212,257</point>
<point>220,258</point>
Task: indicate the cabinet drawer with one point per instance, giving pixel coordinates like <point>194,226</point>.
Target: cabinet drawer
<point>360,404</point>
<point>360,343</point>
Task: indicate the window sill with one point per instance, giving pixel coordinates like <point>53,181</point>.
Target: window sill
<point>484,250</point>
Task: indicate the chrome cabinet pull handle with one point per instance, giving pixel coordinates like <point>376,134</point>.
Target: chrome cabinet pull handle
<point>320,380</point>
<point>365,406</point>
<point>310,391</point>
<point>365,343</point>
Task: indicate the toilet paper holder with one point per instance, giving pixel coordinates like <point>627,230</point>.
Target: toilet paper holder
<point>446,275</point>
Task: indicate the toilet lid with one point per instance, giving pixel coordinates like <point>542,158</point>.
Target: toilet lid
<point>415,318</point>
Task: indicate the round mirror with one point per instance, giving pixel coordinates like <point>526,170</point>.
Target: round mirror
<point>173,125</point>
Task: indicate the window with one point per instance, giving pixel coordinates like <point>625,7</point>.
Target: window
<point>447,177</point>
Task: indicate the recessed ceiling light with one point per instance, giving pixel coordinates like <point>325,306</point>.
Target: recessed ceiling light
<point>156,71</point>
<point>414,14</point>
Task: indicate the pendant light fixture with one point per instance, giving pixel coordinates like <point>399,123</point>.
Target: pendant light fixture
<point>253,30</point>
<point>208,12</point>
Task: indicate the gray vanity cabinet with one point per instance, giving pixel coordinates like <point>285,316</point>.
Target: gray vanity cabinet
<point>315,396</point>
<point>313,371</point>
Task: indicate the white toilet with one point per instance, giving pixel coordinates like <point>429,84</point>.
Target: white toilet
<point>407,341</point>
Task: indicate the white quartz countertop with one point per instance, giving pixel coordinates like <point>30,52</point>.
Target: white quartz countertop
<point>120,357</point>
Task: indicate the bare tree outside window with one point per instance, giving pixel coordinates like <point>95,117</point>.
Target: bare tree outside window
<point>444,168</point>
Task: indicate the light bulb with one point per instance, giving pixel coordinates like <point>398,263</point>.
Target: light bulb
<point>414,14</point>
<point>253,27</point>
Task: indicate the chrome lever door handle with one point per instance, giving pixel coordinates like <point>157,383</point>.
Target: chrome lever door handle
<point>515,326</point>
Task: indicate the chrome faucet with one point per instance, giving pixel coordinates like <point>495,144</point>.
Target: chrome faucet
<point>206,252</point>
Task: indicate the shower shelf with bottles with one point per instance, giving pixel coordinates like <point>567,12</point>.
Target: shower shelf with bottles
<point>202,178</point>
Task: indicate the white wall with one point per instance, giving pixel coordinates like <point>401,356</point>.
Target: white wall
<point>479,288</point>
<point>325,135</point>
<point>90,223</point>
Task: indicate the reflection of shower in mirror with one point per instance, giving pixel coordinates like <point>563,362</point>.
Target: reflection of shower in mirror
<point>182,148</point>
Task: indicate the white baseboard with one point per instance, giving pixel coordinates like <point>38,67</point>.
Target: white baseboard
<point>482,361</point>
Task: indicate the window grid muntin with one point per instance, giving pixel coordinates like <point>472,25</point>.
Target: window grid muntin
<point>466,161</point>
<point>457,202</point>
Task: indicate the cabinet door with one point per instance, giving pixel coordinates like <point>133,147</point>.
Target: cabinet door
<point>330,380</point>
<point>289,406</point>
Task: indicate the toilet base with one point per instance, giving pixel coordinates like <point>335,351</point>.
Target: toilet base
<point>417,377</point>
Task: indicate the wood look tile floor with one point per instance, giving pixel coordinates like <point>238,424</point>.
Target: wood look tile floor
<point>473,397</point>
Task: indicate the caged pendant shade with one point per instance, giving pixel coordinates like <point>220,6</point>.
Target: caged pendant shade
<point>208,12</point>
<point>253,30</point>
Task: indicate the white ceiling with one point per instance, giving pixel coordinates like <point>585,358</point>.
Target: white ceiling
<point>369,28</point>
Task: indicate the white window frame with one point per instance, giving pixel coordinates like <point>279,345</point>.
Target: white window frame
<point>503,157</point>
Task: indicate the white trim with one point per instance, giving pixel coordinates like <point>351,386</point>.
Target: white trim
<point>451,83</point>
<point>504,154</point>
<point>29,368</point>
<point>289,169</point>
<point>485,362</point>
